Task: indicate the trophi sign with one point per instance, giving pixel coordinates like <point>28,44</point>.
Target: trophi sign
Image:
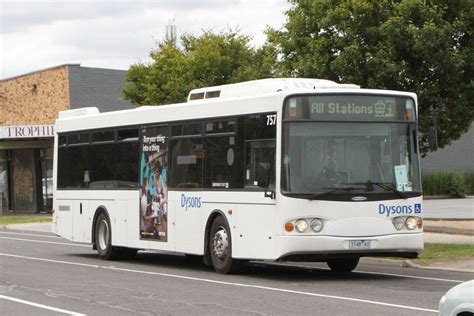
<point>27,131</point>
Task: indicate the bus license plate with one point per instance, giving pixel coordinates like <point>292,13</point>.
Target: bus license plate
<point>359,244</point>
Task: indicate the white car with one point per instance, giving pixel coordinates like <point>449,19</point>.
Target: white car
<point>458,301</point>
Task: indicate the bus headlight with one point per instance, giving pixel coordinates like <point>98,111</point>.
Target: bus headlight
<point>399,223</point>
<point>411,223</point>
<point>301,225</point>
<point>316,225</point>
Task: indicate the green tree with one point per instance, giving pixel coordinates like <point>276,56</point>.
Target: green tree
<point>205,60</point>
<point>424,46</point>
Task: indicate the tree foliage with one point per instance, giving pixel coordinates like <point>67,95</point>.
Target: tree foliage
<point>198,61</point>
<point>424,46</point>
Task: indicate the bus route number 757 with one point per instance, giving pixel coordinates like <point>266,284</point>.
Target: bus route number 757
<point>271,119</point>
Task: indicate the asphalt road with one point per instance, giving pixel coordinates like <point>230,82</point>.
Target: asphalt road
<point>41,274</point>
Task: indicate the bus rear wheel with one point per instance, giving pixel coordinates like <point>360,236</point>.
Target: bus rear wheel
<point>220,248</point>
<point>103,238</point>
<point>343,265</point>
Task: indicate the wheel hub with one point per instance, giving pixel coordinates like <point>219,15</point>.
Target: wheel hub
<point>220,243</point>
<point>103,235</point>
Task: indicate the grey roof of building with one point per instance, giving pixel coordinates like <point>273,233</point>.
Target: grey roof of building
<point>97,87</point>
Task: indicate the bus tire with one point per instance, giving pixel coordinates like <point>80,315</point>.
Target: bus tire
<point>343,265</point>
<point>103,239</point>
<point>220,248</point>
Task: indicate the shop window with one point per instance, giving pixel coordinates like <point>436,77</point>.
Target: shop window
<point>24,187</point>
<point>4,188</point>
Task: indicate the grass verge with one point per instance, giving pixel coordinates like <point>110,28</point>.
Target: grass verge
<point>434,252</point>
<point>22,219</point>
<point>445,252</point>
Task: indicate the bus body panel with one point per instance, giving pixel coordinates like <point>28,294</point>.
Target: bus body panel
<point>154,115</point>
<point>82,217</point>
<point>251,221</point>
<point>254,231</point>
<point>344,221</point>
<point>117,204</point>
<point>325,246</point>
<point>350,218</point>
<point>189,222</point>
<point>63,218</point>
<point>257,222</point>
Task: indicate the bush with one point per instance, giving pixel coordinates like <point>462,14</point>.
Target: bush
<point>469,182</point>
<point>444,183</point>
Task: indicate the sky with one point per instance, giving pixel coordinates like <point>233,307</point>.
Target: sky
<point>37,34</point>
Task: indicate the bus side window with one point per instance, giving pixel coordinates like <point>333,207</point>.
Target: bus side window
<point>222,163</point>
<point>260,146</point>
<point>260,164</point>
<point>186,163</point>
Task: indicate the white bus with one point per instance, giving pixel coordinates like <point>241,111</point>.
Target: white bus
<point>270,170</point>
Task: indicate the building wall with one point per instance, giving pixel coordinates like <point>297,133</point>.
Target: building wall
<point>34,99</point>
<point>457,157</point>
<point>29,106</point>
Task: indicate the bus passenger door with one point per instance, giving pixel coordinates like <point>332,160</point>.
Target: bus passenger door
<point>256,215</point>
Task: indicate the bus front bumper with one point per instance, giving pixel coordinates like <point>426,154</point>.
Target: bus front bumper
<point>321,248</point>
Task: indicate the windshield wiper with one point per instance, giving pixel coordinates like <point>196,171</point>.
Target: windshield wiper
<point>331,191</point>
<point>369,186</point>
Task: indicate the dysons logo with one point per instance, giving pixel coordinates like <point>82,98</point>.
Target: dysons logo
<point>190,201</point>
<point>399,209</point>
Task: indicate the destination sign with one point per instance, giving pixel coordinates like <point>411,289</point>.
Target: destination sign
<point>349,107</point>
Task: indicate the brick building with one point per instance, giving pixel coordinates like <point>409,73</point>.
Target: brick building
<point>29,105</point>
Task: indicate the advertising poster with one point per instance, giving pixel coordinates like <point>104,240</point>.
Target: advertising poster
<point>153,184</point>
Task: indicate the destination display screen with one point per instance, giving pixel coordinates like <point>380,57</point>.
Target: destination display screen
<point>350,107</point>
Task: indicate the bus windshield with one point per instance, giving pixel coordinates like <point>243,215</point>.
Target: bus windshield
<point>370,156</point>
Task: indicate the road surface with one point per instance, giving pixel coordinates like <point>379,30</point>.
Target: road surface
<point>41,274</point>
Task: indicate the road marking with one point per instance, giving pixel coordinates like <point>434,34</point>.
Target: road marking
<point>377,273</point>
<point>47,242</point>
<point>54,309</point>
<point>408,276</point>
<point>35,235</point>
<point>269,263</point>
<point>260,287</point>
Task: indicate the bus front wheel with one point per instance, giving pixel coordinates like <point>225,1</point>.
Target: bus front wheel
<point>103,238</point>
<point>220,248</point>
<point>343,265</point>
